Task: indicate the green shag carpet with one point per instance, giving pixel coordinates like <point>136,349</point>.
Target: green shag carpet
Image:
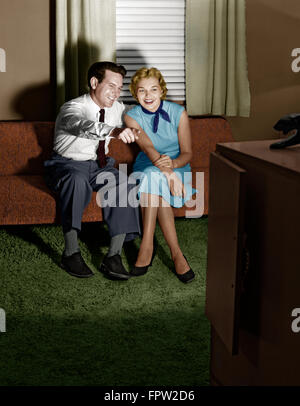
<point>65,331</point>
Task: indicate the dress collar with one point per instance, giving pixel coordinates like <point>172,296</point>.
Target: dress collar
<point>157,113</point>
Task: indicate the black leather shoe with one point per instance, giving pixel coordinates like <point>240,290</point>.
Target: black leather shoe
<point>75,266</point>
<point>186,277</point>
<point>113,267</point>
<point>141,270</point>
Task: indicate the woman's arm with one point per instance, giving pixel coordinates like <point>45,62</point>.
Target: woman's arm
<point>185,144</point>
<point>143,140</point>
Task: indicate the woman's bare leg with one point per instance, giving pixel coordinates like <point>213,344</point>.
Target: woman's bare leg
<point>149,206</point>
<point>167,224</point>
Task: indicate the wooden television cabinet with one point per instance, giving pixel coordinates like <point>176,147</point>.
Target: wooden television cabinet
<point>253,264</point>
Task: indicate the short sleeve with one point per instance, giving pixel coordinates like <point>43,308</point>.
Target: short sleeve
<point>177,111</point>
<point>134,113</point>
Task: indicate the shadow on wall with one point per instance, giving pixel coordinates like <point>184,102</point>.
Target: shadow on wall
<point>78,58</point>
<point>35,103</point>
<point>130,57</point>
<point>42,102</point>
<point>38,102</point>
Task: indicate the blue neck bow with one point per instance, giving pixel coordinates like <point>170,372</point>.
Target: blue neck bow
<point>158,112</point>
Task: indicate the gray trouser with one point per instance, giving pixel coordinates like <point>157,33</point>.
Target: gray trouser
<point>74,181</point>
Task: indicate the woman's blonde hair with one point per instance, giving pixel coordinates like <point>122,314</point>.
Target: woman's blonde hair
<point>144,73</point>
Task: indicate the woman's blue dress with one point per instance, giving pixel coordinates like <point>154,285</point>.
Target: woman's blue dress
<point>165,141</point>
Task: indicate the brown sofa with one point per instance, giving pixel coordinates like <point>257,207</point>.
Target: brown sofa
<point>24,146</point>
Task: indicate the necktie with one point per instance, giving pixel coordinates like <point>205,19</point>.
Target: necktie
<point>101,149</point>
<point>157,113</point>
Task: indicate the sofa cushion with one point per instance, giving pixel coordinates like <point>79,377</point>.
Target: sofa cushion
<point>29,201</point>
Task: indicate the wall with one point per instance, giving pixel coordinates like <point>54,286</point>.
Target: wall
<point>25,89</point>
<point>273,31</point>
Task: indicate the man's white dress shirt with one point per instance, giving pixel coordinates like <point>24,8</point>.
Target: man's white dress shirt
<point>78,130</point>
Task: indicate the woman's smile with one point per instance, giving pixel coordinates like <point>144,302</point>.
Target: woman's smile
<point>149,93</point>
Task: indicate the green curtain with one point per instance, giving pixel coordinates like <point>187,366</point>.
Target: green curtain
<point>216,62</point>
<point>85,33</point>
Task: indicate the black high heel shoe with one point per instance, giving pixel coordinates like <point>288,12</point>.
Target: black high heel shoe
<point>141,270</point>
<point>186,277</point>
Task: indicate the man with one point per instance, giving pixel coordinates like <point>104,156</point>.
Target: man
<point>82,125</point>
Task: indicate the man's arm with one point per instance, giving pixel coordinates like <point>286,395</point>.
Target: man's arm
<point>72,121</point>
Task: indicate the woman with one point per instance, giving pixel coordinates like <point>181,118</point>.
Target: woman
<point>162,166</point>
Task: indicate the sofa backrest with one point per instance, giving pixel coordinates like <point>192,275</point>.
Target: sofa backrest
<point>24,146</point>
<point>206,133</point>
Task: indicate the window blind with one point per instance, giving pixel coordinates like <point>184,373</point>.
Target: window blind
<point>152,34</point>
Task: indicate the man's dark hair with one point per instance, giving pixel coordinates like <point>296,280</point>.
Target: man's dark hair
<point>98,70</point>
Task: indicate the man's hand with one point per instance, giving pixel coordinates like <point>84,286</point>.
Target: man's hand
<point>127,135</point>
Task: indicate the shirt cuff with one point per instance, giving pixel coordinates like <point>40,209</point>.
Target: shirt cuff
<point>105,130</point>
<point>109,135</point>
<point>118,126</point>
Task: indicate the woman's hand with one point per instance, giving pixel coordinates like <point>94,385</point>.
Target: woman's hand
<point>175,185</point>
<point>164,161</point>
